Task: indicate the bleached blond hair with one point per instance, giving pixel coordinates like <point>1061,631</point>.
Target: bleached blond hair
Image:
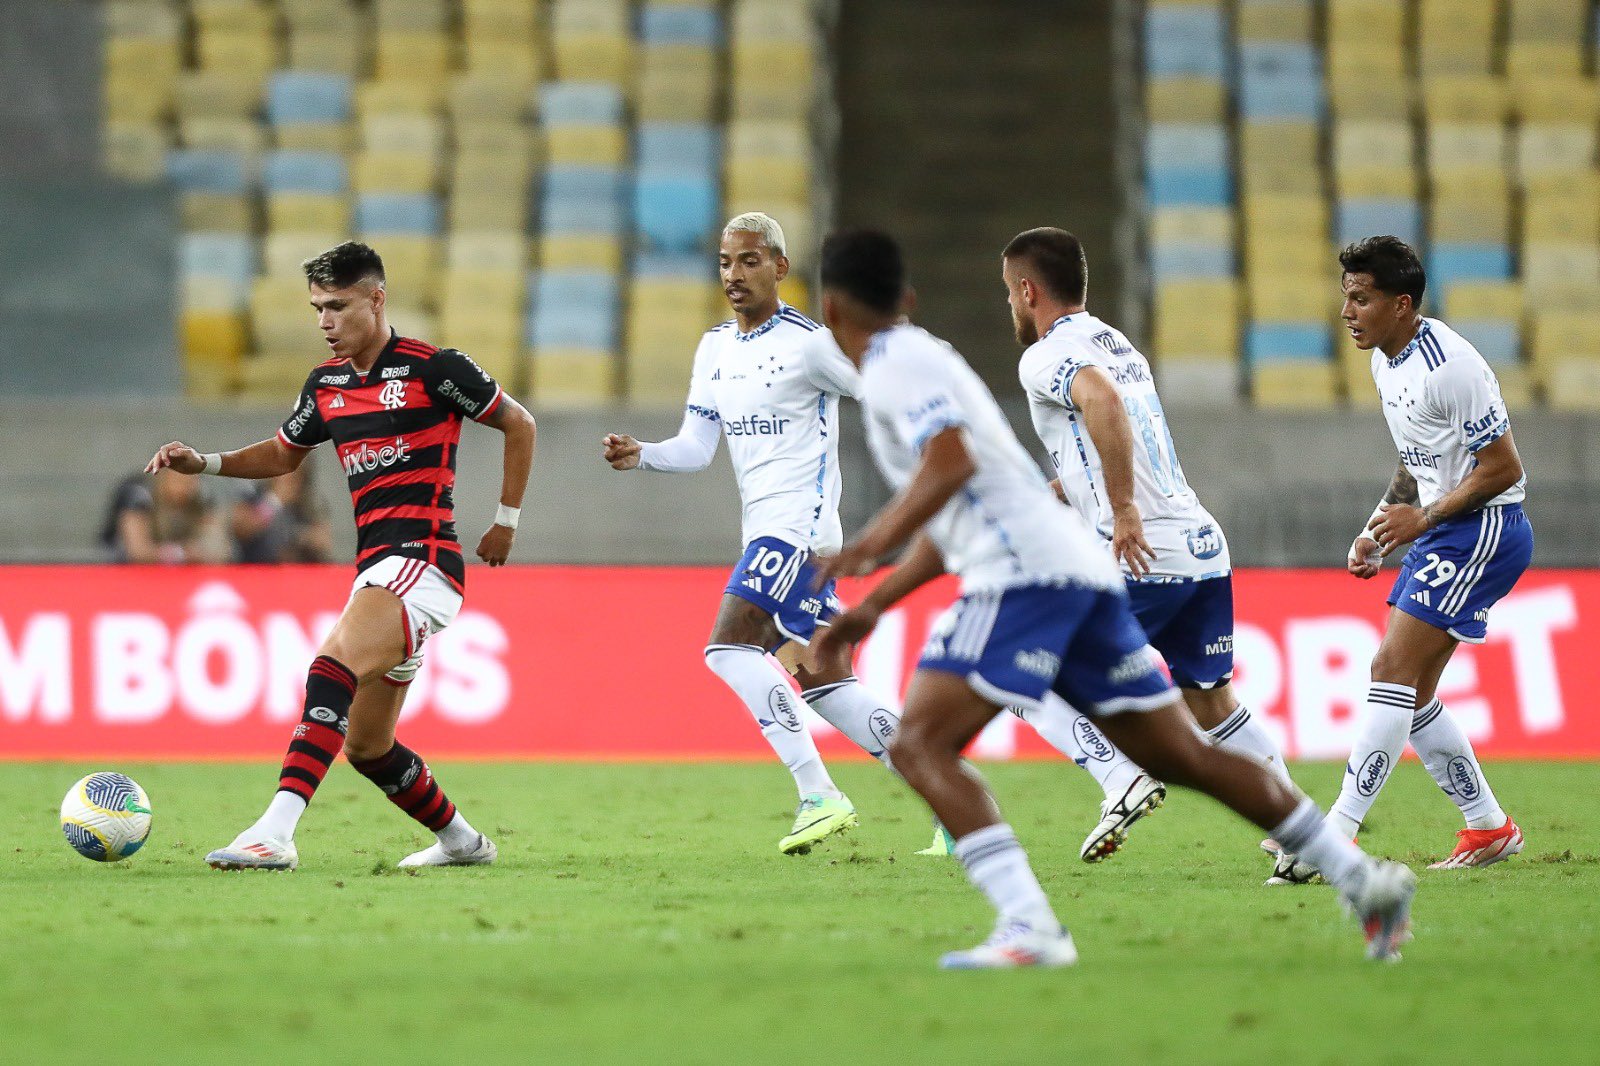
<point>757,222</point>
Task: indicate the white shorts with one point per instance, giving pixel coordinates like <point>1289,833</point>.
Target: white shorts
<point>427,599</point>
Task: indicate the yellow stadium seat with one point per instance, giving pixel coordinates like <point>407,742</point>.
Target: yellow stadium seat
<point>775,20</point>
<point>1456,36</point>
<point>498,139</point>
<point>324,15</point>
<point>580,252</point>
<point>410,54</point>
<point>700,301</point>
<point>135,151</point>
<point>1213,225</point>
<point>1517,381</point>
<point>1366,21</point>
<point>768,178</point>
<point>1291,297</point>
<point>281,317</point>
<point>400,172</point>
<point>1267,253</point>
<point>590,145</point>
<point>305,210</point>
<point>659,354</point>
<point>1571,262</point>
<point>770,100</point>
<point>269,377</point>
<point>765,137</point>
<point>1197,320</point>
<point>1489,182</point>
<point>468,250</point>
<point>129,19</point>
<point>678,83</point>
<point>204,292</point>
<point>1470,219</point>
<point>1296,385</point>
<point>131,97</point>
<point>411,15</point>
<point>1572,385</point>
<point>411,319</point>
<point>757,63</point>
<point>217,212</point>
<point>475,209</point>
<point>216,337</point>
<point>1276,146</point>
<point>235,16</point>
<point>594,57</point>
<point>1295,216</point>
<point>243,137</point>
<point>589,16</point>
<point>485,97</point>
<point>484,307</point>
<point>1370,93</point>
<point>217,94</point>
<point>411,267</point>
<point>511,18</point>
<point>414,134</point>
<point>1559,335</point>
<point>568,377</point>
<point>1185,100</point>
<point>282,251</point>
<point>1454,98</point>
<point>143,56</point>
<point>1527,60</point>
<point>246,54</point>
<point>793,291</point>
<point>514,62</point>
<point>1463,144</point>
<point>403,95</point>
<point>1547,20</point>
<point>1468,300</point>
<point>1266,20</point>
<point>1545,147</point>
<point>339,53</point>
<point>1553,213</point>
<point>1372,159</point>
<point>491,173</point>
<point>315,136</point>
<point>1355,371</point>
<point>1556,99</point>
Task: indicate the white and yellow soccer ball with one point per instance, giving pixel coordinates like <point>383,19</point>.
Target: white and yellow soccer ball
<point>106,817</point>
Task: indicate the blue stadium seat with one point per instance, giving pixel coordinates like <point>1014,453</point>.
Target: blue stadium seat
<point>1497,340</point>
<point>1190,187</point>
<point>1279,80</point>
<point>1183,144</point>
<point>674,213</point>
<point>1358,218</point>
<point>1177,260</point>
<point>308,96</point>
<point>417,214</point>
<point>318,172</point>
<point>583,184</point>
<point>226,256</point>
<point>575,309</point>
<point>673,24</point>
<point>1185,41</point>
<point>1288,341</point>
<point>580,103</point>
<point>691,266</point>
<point>207,170</point>
<point>582,200</point>
<point>1449,263</point>
<point>679,147</point>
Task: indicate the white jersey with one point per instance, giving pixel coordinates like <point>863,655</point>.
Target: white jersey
<point>776,399</point>
<point>1187,541</point>
<point>1005,527</point>
<point>1443,404</point>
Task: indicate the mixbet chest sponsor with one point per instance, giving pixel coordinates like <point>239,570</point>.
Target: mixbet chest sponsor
<point>366,458</point>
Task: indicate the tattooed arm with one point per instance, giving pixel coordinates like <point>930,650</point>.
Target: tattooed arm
<point>1365,558</point>
<point>1403,489</point>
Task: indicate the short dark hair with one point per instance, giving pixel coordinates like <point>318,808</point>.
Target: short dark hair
<point>1057,259</point>
<point>867,265</point>
<point>343,266</point>
<point>1393,264</point>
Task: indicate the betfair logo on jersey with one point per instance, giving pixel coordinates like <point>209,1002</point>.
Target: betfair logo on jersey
<point>757,426</point>
<point>1415,457</point>
<point>449,390</point>
<point>1474,426</point>
<point>396,372</point>
<point>1039,663</point>
<point>366,458</point>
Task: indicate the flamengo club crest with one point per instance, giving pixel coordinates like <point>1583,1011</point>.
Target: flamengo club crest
<point>393,395</point>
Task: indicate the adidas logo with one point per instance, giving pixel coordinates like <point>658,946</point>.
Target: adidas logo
<point>753,583</point>
<point>338,401</point>
<point>1422,597</point>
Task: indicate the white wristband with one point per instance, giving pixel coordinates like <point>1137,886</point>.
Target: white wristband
<point>1366,528</point>
<point>507,516</point>
<point>213,463</point>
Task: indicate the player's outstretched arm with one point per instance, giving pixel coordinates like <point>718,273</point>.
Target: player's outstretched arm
<point>1096,396</point>
<point>691,450</point>
<point>920,564</point>
<point>265,459</point>
<point>512,419</point>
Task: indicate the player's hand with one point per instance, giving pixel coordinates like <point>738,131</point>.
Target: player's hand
<point>496,545</point>
<point>853,560</point>
<point>1365,558</point>
<point>1128,543</point>
<point>621,451</point>
<point>1399,524</point>
<point>848,630</point>
<point>176,456</point>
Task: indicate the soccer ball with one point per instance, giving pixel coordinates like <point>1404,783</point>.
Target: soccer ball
<point>106,817</point>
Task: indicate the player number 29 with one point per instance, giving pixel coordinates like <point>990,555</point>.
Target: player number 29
<point>1443,570</point>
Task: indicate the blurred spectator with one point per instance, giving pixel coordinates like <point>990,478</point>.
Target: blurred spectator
<point>165,518</point>
<point>281,521</point>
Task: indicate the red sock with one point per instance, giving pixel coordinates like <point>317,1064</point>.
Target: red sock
<point>330,686</point>
<point>409,784</point>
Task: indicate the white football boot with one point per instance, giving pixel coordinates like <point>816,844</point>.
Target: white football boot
<point>1291,870</point>
<point>248,852</point>
<point>482,853</point>
<point>1142,796</point>
<point>1381,900</point>
<point>1015,944</point>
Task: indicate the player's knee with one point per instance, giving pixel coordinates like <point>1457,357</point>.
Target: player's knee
<point>365,749</point>
<point>1391,667</point>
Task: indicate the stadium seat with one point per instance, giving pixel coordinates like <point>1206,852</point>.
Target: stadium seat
<point>1483,300</point>
<point>207,170</point>
<point>573,309</point>
<point>1562,206</point>
<point>1279,81</point>
<point>485,97</point>
<point>411,264</point>
<point>1185,40</point>
<point>1469,218</point>
<point>400,213</point>
<point>1288,298</point>
<point>1547,147</point>
<point>469,250</point>
<point>291,210</point>
<point>1527,60</point>
<point>281,319</point>
<point>395,172</point>
<point>674,213</point>
<point>1358,218</point>
<point>296,96</point>
<point>1197,319</point>
<point>1186,100</point>
<point>1188,165</point>
<point>1374,159</point>
<point>282,251</point>
<point>1284,21</point>
<point>677,83</point>
<point>308,172</point>
<point>217,212</point>
<point>330,52</point>
<point>228,257</point>
<point>1556,263</point>
<point>600,252</point>
<point>571,377</point>
<point>400,95</point>
<point>1455,37</point>
<point>1294,384</point>
<point>582,200</point>
<point>1449,263</point>
<point>134,151</point>
<point>680,24</point>
<point>1553,98</point>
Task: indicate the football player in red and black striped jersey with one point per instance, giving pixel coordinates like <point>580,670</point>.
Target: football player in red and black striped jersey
<point>393,407</point>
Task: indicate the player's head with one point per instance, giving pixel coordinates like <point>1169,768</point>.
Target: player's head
<point>347,289</point>
<point>752,260</point>
<point>1383,284</point>
<point>863,281</point>
<point>1043,268</point>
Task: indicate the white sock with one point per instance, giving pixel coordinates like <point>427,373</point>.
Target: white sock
<point>1070,732</point>
<point>854,711</point>
<point>997,864</point>
<point>765,691</point>
<point>281,817</point>
<point>458,836</point>
<point>1241,734</point>
<point>1378,747</point>
<point>1447,753</point>
<point>1305,834</point>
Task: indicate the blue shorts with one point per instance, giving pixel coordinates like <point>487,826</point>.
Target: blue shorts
<point>1460,568</point>
<point>1013,646</point>
<point>1191,624</point>
<point>778,578</point>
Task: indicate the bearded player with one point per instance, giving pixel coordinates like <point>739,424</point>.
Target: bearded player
<point>393,408</point>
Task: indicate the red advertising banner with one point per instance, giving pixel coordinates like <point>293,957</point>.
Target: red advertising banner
<point>605,663</point>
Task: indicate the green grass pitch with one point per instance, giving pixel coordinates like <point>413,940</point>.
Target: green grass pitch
<point>641,913</point>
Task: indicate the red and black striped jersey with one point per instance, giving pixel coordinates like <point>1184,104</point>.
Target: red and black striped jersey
<point>396,429</point>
